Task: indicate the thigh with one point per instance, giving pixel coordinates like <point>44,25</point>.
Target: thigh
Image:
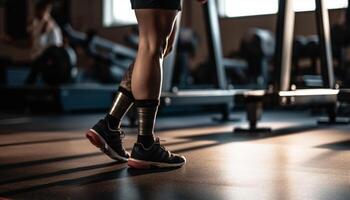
<point>155,25</point>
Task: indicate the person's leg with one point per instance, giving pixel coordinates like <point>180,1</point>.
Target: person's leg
<point>171,38</point>
<point>125,98</point>
<point>155,27</point>
<point>107,134</point>
<point>123,101</point>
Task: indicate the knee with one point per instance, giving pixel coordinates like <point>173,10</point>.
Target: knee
<point>154,47</point>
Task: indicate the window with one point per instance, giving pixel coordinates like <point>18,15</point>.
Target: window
<point>240,8</point>
<point>307,5</point>
<point>118,13</point>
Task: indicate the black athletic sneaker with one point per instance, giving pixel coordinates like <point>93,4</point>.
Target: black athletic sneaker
<point>154,156</point>
<point>108,140</point>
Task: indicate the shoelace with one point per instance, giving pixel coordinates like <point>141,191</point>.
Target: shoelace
<point>115,139</point>
<point>117,135</point>
<point>117,131</point>
<point>162,147</point>
<point>121,134</point>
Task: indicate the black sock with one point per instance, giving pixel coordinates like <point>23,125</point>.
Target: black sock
<point>146,140</point>
<point>146,114</point>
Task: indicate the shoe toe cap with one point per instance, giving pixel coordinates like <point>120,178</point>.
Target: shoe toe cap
<point>179,159</point>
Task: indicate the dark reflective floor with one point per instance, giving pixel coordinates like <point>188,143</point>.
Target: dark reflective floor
<point>48,157</point>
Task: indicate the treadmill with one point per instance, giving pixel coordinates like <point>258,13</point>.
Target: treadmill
<point>284,93</point>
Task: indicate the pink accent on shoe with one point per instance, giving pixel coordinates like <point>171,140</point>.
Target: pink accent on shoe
<point>138,164</point>
<point>95,139</point>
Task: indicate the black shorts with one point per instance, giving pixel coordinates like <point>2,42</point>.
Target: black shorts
<point>156,4</point>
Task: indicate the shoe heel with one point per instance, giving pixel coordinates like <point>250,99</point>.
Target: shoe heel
<point>138,164</point>
<point>95,139</point>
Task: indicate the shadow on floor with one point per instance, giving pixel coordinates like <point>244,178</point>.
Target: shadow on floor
<point>218,138</point>
<point>46,161</point>
<point>122,172</point>
<point>339,146</point>
<point>253,136</point>
<point>229,137</point>
<point>58,173</point>
<point>42,141</point>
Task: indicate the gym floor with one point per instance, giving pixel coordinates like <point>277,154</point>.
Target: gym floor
<point>48,157</point>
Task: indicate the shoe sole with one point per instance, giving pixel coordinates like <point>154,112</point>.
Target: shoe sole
<point>141,164</point>
<point>101,143</point>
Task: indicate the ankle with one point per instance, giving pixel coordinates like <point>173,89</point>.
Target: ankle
<point>113,123</point>
<point>146,140</point>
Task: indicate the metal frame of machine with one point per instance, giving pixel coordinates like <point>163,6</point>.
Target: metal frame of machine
<point>283,92</point>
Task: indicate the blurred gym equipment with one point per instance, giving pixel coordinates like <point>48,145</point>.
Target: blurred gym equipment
<point>222,95</point>
<point>306,48</point>
<point>111,59</point>
<point>258,49</point>
<point>187,46</point>
<point>283,92</point>
<point>58,88</point>
<point>340,44</point>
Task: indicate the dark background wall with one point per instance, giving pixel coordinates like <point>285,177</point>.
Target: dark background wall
<point>1,20</point>
<point>87,14</point>
<point>233,29</point>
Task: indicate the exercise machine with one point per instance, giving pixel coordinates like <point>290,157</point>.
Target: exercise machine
<point>222,96</point>
<point>257,48</point>
<point>340,43</point>
<point>111,59</point>
<point>283,92</point>
<point>67,96</point>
